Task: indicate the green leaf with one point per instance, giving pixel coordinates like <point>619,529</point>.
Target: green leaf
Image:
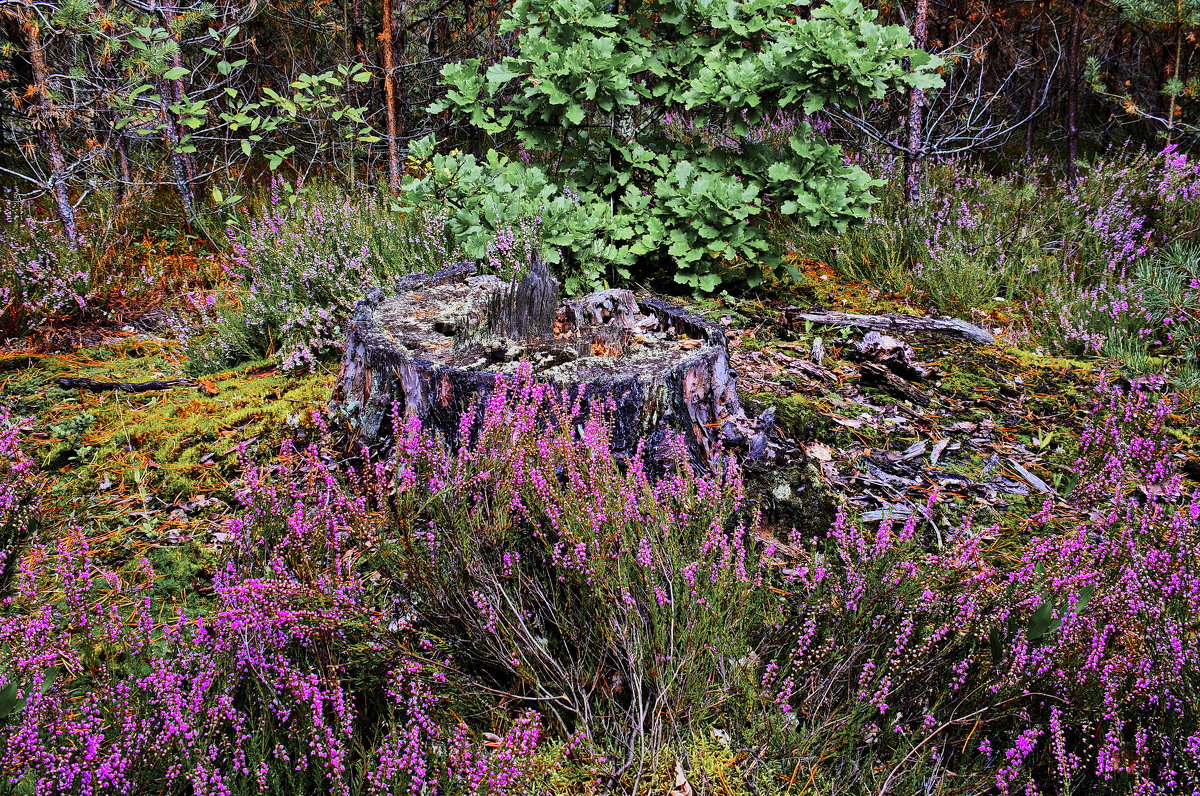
<point>8,700</point>
<point>1085,596</point>
<point>175,73</point>
<point>1043,622</point>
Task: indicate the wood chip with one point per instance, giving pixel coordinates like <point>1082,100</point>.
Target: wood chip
<point>1032,479</point>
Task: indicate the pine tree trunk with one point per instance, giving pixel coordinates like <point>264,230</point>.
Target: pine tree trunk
<point>389,91</point>
<point>1073,65</point>
<point>914,151</point>
<point>48,125</point>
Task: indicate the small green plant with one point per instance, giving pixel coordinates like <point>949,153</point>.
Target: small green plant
<point>640,121</point>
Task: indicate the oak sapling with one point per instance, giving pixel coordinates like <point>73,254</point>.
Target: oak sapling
<point>617,190</point>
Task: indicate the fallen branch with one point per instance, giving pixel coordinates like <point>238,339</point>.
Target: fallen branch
<point>950,327</point>
<point>91,385</point>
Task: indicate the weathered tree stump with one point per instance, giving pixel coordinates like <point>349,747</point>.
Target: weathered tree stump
<point>436,347</point>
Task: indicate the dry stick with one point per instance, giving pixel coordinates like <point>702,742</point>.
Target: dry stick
<point>91,385</point>
<point>927,739</point>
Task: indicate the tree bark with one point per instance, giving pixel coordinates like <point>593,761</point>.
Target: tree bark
<point>1172,96</point>
<point>389,91</point>
<point>182,167</point>
<point>914,151</point>
<point>45,120</point>
<point>1073,66</point>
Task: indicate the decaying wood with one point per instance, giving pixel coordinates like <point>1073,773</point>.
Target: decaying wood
<point>663,369</point>
<point>527,309</point>
<point>894,324</point>
<point>876,375</point>
<point>896,355</point>
<point>91,385</point>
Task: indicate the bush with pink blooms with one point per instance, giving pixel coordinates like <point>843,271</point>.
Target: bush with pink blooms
<point>525,609</point>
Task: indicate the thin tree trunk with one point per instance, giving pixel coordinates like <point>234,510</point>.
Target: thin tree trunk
<point>179,166</point>
<point>182,168</point>
<point>402,22</point>
<point>389,90</point>
<point>1173,97</point>
<point>125,187</point>
<point>49,128</point>
<point>1073,94</point>
<point>913,153</point>
<point>1033,94</point>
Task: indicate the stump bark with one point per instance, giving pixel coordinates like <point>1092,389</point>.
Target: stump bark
<point>432,350</point>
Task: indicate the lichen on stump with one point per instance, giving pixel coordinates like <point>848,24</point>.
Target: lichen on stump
<point>436,347</point>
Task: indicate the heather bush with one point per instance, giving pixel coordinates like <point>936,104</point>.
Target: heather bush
<point>1067,663</point>
<point>42,279</point>
<point>1064,256</point>
<point>302,264</point>
<point>623,606</point>
<point>19,494</point>
<point>367,623</point>
<point>289,680</point>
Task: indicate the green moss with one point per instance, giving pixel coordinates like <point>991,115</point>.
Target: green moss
<point>1035,360</point>
<point>167,445</point>
<point>796,415</point>
<point>963,383</point>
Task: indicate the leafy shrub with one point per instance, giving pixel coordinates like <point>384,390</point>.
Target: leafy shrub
<point>587,95</point>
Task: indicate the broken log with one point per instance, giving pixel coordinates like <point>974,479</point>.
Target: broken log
<point>896,354</point>
<point>893,324</point>
<point>434,351</point>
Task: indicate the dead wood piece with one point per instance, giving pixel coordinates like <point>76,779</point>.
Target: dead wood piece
<point>527,309</point>
<point>897,324</point>
<point>814,371</point>
<point>876,375</point>
<point>444,276</point>
<point>608,307</point>
<point>896,354</point>
<point>1033,480</point>
<point>91,385</point>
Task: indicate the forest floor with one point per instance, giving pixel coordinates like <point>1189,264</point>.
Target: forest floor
<point>997,431</point>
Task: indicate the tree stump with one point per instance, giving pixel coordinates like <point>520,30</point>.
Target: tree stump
<point>436,347</point>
